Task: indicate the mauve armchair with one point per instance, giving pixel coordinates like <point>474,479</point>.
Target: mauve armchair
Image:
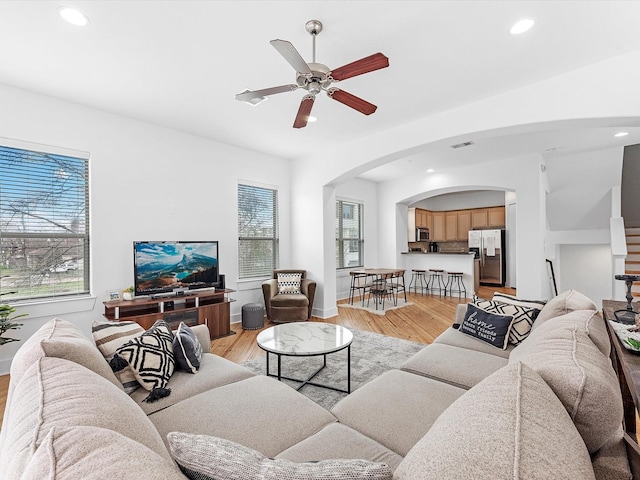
<point>281,300</point>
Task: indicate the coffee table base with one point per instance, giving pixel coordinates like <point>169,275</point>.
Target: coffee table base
<point>308,381</point>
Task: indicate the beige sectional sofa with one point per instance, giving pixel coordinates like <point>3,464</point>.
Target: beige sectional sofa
<point>458,409</point>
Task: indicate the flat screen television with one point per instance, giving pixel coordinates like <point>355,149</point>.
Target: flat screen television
<point>161,267</point>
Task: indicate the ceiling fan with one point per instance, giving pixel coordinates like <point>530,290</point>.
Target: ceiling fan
<point>316,77</point>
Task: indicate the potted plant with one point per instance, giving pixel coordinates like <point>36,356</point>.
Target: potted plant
<point>128,293</point>
<point>7,323</point>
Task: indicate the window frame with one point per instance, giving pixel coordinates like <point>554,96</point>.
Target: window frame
<point>246,272</point>
<point>81,158</point>
<point>339,234</point>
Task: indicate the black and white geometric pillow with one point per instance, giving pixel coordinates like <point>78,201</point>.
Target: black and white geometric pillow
<point>506,298</point>
<point>187,349</point>
<point>523,317</point>
<point>150,357</point>
<point>289,283</point>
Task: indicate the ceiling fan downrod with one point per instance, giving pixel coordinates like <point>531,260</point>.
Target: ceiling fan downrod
<point>314,27</point>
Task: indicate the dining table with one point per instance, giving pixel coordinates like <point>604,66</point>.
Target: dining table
<point>379,282</point>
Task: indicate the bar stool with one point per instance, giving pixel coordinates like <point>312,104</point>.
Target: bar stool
<point>418,275</point>
<point>455,280</point>
<point>436,281</point>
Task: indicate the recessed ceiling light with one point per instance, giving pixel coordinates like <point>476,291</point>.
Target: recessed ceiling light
<point>621,134</point>
<point>431,170</point>
<point>311,118</point>
<point>522,26</point>
<point>73,16</point>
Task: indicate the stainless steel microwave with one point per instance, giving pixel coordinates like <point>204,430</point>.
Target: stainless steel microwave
<point>422,234</point>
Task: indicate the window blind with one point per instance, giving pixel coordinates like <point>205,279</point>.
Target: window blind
<point>349,234</point>
<point>44,225</point>
<point>258,238</point>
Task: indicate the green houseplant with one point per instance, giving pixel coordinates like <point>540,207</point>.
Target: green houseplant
<point>7,323</point>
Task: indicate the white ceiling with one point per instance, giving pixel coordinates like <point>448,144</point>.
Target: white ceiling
<point>178,64</point>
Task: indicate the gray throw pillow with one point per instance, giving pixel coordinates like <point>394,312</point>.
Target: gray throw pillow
<point>201,457</point>
<point>187,349</point>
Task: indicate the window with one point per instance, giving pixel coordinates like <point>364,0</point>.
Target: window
<point>44,225</point>
<point>258,240</point>
<point>349,234</point>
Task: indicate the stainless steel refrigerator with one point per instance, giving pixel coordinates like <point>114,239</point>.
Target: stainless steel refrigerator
<point>489,245</point>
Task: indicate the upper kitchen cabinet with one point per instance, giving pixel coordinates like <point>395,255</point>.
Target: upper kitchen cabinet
<point>438,231</point>
<point>487,217</point>
<point>422,218</point>
<point>464,224</point>
<point>496,216</point>
<point>451,225</point>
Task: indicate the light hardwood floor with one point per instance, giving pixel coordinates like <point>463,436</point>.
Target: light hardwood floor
<point>422,322</point>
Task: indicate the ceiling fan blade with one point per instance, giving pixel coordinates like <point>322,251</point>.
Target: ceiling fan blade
<point>291,55</point>
<point>303,112</point>
<point>251,96</point>
<point>364,65</point>
<point>352,101</point>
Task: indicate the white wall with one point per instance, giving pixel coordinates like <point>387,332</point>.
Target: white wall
<point>586,268</point>
<point>559,102</point>
<point>463,200</point>
<point>146,183</point>
<point>365,192</point>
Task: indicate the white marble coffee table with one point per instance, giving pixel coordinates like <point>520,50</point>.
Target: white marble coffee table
<point>306,339</point>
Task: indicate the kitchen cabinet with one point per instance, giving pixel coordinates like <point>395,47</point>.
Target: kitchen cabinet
<point>421,218</point>
<point>487,217</point>
<point>464,224</point>
<point>451,226</point>
<point>438,226</point>
<point>479,218</point>
<point>496,216</point>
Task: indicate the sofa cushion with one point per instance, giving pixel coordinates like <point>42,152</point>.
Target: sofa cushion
<point>523,317</point>
<point>289,283</point>
<point>61,339</point>
<point>397,408</point>
<point>611,462</point>
<point>580,375</point>
<point>562,304</point>
<point>57,392</point>
<point>259,412</point>
<point>457,366</point>
<point>72,453</point>
<point>490,327</point>
<point>511,425</point>
<point>339,441</point>
<point>150,357</point>
<point>452,336</point>
<point>214,372</point>
<point>109,336</point>
<point>289,300</point>
<point>588,321</point>
<point>202,457</point>
<point>187,349</point>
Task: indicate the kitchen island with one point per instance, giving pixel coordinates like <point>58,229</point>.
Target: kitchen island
<point>449,262</point>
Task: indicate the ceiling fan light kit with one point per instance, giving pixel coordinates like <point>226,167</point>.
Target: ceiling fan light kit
<point>316,77</point>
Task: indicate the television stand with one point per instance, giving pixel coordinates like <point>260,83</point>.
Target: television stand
<point>208,307</point>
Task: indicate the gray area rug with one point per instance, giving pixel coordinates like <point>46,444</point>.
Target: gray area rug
<point>371,355</point>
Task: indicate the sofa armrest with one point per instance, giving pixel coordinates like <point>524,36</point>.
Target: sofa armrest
<point>461,309</point>
<point>202,333</point>
<point>308,288</point>
<point>269,290</point>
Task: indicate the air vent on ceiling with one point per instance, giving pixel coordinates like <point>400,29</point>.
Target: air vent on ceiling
<point>463,144</point>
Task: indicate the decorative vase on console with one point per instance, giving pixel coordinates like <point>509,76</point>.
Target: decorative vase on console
<point>128,294</point>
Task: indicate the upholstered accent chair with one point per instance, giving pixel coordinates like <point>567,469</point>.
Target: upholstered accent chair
<point>288,296</point>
